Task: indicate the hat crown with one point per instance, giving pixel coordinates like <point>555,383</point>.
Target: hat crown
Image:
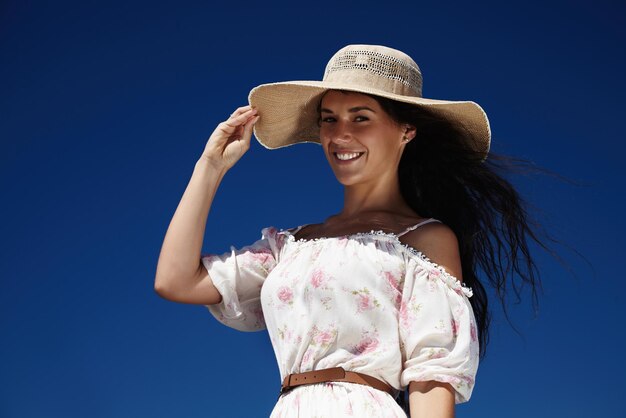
<point>375,66</point>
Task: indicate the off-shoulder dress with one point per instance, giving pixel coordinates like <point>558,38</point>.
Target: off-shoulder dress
<point>366,302</point>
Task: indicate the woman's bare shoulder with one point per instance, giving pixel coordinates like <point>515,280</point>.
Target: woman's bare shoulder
<point>439,243</point>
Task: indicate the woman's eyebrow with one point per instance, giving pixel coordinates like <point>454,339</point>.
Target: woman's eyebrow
<point>351,110</point>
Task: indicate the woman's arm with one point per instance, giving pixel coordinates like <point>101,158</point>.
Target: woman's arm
<point>431,400</point>
<point>180,275</point>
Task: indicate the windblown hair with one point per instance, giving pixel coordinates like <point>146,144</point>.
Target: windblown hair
<point>441,176</point>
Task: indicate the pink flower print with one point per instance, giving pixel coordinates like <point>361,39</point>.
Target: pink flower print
<point>460,380</point>
<point>394,285</point>
<point>316,252</point>
<point>318,278</point>
<point>364,300</point>
<point>454,381</point>
<point>364,303</point>
<point>285,334</point>
<point>263,259</point>
<point>473,332</point>
<point>437,353</point>
<point>366,345</point>
<point>324,337</point>
<point>455,327</point>
<point>326,301</point>
<point>408,312</point>
<point>404,314</point>
<point>468,380</point>
<point>392,280</point>
<point>285,295</point>
<point>306,358</point>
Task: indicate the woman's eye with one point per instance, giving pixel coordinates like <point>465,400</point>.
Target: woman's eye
<point>331,119</point>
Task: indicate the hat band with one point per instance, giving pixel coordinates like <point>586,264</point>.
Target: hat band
<point>366,81</point>
<point>375,70</point>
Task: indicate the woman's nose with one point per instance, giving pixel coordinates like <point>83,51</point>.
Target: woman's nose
<point>341,133</point>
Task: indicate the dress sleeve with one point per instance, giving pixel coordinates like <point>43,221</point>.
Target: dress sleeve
<point>437,328</point>
<point>239,275</point>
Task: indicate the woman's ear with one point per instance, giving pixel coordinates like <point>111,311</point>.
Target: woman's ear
<point>409,132</point>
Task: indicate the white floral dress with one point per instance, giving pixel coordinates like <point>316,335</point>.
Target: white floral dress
<point>365,302</point>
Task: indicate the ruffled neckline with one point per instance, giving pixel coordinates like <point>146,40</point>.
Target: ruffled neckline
<point>449,279</point>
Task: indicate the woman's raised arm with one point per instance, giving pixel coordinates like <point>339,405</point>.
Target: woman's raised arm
<point>180,276</point>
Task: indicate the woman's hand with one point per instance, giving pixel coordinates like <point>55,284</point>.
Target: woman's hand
<point>231,139</point>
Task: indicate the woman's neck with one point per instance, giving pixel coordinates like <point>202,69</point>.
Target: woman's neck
<point>361,199</point>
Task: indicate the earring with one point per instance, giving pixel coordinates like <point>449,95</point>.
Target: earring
<point>405,138</point>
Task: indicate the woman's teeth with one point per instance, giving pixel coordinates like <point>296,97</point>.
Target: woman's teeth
<point>348,156</point>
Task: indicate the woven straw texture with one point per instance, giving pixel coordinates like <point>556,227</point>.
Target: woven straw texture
<point>288,110</point>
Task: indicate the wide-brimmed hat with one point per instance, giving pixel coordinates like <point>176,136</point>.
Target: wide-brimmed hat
<point>289,110</point>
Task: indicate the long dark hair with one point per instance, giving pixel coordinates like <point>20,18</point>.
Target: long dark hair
<point>441,176</point>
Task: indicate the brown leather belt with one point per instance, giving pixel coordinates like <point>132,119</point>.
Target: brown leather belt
<point>333,374</point>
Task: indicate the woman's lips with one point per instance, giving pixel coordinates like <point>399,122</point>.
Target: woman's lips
<point>346,157</point>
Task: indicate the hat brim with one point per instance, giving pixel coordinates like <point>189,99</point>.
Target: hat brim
<point>288,112</point>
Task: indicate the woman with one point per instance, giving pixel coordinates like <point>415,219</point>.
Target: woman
<point>383,296</point>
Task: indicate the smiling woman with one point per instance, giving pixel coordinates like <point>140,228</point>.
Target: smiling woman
<point>361,141</point>
<point>383,298</point>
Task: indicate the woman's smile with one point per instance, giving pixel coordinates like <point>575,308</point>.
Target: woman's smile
<point>362,143</point>
<point>348,156</point>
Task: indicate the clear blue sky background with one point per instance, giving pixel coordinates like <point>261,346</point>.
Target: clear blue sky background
<point>106,106</point>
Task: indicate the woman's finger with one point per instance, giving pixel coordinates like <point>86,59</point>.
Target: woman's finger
<point>247,130</point>
<point>240,118</point>
<point>240,110</point>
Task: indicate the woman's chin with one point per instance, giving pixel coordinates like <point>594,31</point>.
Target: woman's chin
<point>347,180</point>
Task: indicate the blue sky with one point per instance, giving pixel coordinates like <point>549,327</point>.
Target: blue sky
<point>106,106</point>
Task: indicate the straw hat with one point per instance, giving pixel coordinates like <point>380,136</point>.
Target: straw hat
<point>289,114</point>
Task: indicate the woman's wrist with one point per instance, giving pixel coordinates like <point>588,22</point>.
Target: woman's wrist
<point>207,163</point>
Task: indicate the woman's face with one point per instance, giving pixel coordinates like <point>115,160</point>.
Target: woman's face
<point>361,141</point>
